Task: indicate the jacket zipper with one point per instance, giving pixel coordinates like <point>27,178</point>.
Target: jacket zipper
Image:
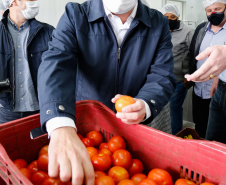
<point>119,53</point>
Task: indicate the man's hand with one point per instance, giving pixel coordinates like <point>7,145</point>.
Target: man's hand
<point>214,65</point>
<point>68,157</point>
<point>131,114</point>
<point>214,86</point>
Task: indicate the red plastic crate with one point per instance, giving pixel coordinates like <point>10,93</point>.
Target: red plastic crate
<point>194,159</point>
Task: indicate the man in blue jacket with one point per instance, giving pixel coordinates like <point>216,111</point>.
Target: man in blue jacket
<point>102,48</point>
<point>23,40</point>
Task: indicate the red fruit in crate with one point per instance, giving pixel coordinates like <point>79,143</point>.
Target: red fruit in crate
<point>118,173</point>
<point>26,173</point>
<point>43,150</point>
<point>92,151</point>
<point>105,151</point>
<point>121,158</point>
<point>39,177</point>
<point>80,136</point>
<point>101,162</point>
<point>99,174</point>
<point>160,177</point>
<point>126,182</point>
<point>184,182</point>
<point>103,145</point>
<point>104,180</point>
<point>20,163</point>
<point>207,183</point>
<point>123,101</point>
<point>43,162</point>
<point>88,142</point>
<point>135,167</point>
<point>147,182</point>
<point>96,136</point>
<point>116,143</point>
<point>49,181</point>
<point>33,166</point>
<point>138,177</point>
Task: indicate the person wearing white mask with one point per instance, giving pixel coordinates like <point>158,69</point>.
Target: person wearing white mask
<point>208,34</point>
<point>23,40</point>
<point>100,50</point>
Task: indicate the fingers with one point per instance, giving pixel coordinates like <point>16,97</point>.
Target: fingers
<point>133,114</point>
<point>89,172</point>
<point>205,54</point>
<point>113,100</point>
<point>69,159</point>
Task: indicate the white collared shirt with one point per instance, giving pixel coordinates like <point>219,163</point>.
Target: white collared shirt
<point>120,31</point>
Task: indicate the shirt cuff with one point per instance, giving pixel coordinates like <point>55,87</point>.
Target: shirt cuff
<point>59,122</point>
<point>148,111</point>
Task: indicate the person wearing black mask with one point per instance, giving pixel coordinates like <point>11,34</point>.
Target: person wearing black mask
<point>181,39</point>
<point>207,34</point>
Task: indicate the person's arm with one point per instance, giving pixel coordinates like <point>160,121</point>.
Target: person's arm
<point>159,85</point>
<point>214,65</point>
<point>68,156</point>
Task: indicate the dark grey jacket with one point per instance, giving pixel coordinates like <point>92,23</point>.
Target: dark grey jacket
<point>195,45</point>
<point>181,39</point>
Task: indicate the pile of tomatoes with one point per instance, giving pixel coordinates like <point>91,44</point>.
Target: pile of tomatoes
<point>113,165</point>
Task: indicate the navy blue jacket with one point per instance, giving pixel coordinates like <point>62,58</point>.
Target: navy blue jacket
<point>84,62</point>
<point>39,36</point>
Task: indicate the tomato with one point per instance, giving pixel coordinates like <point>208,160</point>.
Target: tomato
<point>26,173</point>
<point>99,174</point>
<point>116,143</point>
<point>88,142</point>
<point>126,182</point>
<point>160,176</point>
<point>92,151</point>
<point>123,101</point>
<point>96,136</point>
<point>20,163</point>
<point>51,181</point>
<point>33,166</point>
<point>147,182</point>
<point>80,136</point>
<point>105,151</point>
<point>121,158</point>
<point>101,162</point>
<point>207,183</point>
<point>39,177</point>
<point>43,162</point>
<point>138,177</point>
<point>43,150</point>
<point>118,173</point>
<point>103,145</point>
<point>184,182</point>
<point>104,180</point>
<point>135,167</point>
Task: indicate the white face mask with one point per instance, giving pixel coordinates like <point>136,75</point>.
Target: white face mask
<point>32,9</point>
<point>119,6</point>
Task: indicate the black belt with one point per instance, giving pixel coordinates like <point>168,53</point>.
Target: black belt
<point>223,84</point>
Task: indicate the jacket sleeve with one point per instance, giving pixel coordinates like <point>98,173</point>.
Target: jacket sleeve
<point>160,81</point>
<point>58,71</point>
<point>185,67</point>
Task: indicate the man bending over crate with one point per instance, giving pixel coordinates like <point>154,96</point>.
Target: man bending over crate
<point>102,48</point>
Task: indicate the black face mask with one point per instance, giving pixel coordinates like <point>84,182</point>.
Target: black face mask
<point>173,24</point>
<point>216,18</point>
